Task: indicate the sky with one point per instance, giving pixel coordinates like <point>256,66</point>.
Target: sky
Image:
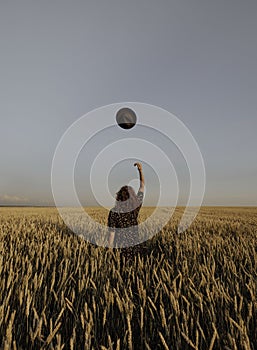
<point>62,59</point>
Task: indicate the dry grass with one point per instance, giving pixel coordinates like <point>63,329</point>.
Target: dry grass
<point>195,290</point>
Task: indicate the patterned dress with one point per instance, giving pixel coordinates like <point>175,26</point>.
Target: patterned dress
<point>118,219</point>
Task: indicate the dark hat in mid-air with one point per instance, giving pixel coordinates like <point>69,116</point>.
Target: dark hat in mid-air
<point>126,118</point>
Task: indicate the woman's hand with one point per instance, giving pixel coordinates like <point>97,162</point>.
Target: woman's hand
<point>139,166</point>
<point>111,239</point>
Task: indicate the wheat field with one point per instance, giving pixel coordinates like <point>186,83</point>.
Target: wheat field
<point>194,290</point>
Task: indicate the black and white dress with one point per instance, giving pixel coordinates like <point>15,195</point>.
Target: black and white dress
<point>122,218</point>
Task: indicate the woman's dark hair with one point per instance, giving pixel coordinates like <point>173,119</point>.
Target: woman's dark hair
<point>126,199</point>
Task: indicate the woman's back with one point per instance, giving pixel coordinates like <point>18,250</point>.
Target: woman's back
<point>128,220</point>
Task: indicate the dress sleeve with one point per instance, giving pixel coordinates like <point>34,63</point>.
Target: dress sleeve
<point>140,196</point>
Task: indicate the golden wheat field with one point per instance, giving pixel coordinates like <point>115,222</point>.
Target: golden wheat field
<point>194,290</point>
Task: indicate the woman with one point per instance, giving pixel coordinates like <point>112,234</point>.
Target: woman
<point>125,214</point>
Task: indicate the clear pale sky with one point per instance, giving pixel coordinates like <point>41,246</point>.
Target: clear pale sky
<point>61,59</point>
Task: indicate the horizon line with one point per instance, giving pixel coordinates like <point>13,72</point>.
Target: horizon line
<point>144,206</point>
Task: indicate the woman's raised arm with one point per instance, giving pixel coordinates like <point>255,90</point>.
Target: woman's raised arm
<point>141,176</point>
